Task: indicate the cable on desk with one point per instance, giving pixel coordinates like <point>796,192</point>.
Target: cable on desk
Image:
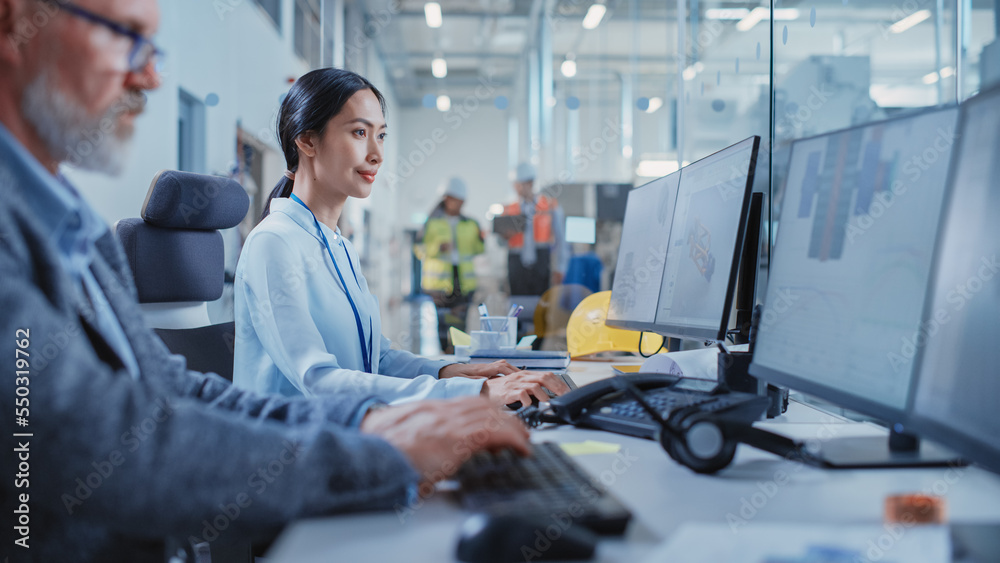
<point>533,417</point>
<point>641,334</point>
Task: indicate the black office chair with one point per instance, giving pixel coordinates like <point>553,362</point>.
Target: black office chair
<point>177,258</point>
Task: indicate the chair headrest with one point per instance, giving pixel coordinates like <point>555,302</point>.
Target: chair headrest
<point>171,265</point>
<point>184,200</point>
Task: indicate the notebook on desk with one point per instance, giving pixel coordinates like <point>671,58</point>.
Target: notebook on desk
<point>523,359</point>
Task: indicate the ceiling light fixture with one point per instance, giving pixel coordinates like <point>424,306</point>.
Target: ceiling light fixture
<point>780,14</point>
<point>568,67</point>
<point>443,103</point>
<point>933,77</point>
<point>752,19</point>
<point>786,14</point>
<point>726,13</point>
<point>910,21</point>
<point>439,68</point>
<point>693,70</point>
<point>594,16</point>
<point>432,13</point>
<point>654,104</point>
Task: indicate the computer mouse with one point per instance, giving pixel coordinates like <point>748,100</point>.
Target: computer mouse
<point>516,405</point>
<point>503,538</point>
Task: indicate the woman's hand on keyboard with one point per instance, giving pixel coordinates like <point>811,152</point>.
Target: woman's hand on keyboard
<point>477,371</point>
<point>438,436</point>
<point>521,386</point>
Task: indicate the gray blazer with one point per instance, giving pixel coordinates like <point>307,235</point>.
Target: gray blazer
<point>115,465</point>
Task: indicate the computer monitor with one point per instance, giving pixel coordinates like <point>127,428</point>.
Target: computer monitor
<point>581,229</point>
<point>649,212</point>
<point>957,385</point>
<point>850,269</point>
<point>688,224</point>
<point>706,240</point>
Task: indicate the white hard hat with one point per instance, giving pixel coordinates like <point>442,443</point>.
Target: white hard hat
<point>525,172</point>
<point>456,188</point>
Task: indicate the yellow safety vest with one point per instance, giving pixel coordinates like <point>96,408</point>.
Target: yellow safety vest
<point>437,266</point>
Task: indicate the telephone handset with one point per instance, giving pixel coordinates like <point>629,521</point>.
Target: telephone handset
<point>568,408</point>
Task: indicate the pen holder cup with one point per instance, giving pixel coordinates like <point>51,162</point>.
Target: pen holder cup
<point>497,333</point>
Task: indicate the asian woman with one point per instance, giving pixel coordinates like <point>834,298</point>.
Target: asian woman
<point>306,322</point>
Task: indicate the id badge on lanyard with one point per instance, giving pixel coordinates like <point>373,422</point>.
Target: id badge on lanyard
<point>366,350</point>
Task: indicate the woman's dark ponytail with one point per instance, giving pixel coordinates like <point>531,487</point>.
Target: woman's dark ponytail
<point>282,189</point>
<point>311,103</point>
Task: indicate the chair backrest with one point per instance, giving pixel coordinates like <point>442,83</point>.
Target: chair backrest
<point>175,249</point>
<point>207,348</point>
<point>177,257</point>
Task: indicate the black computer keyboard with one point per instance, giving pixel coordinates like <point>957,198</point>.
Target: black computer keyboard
<point>623,415</point>
<point>547,484</point>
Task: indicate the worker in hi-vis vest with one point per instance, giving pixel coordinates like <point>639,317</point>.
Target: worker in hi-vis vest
<point>449,241</point>
<point>538,253</point>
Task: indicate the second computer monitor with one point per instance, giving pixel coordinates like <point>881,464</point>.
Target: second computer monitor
<point>649,213</point>
<point>680,247</point>
<point>706,239</point>
<point>955,400</point>
<point>852,260</point>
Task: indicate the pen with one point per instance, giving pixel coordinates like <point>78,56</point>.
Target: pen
<point>512,312</point>
<point>483,312</point>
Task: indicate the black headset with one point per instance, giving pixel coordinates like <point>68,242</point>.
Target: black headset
<point>705,442</point>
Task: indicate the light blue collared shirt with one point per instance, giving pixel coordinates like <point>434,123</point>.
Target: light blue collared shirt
<point>295,328</point>
<point>74,229</point>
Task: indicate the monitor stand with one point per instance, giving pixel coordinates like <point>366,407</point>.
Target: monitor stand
<point>899,450</point>
<point>976,543</point>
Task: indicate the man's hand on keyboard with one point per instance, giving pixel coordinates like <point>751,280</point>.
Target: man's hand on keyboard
<point>520,387</point>
<point>438,436</point>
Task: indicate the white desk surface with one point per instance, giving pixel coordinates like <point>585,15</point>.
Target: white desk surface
<point>663,495</point>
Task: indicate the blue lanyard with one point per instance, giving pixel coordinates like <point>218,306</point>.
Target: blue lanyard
<point>366,351</point>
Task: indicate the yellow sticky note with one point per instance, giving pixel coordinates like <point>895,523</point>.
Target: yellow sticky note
<point>459,338</point>
<point>589,447</point>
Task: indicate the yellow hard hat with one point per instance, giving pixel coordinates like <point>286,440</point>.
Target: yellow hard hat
<point>555,307</point>
<point>586,332</point>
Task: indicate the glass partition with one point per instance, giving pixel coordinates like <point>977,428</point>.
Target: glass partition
<point>979,51</point>
<point>838,64</point>
<point>593,93</point>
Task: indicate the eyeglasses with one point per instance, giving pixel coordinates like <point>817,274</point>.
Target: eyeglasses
<point>143,50</point>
